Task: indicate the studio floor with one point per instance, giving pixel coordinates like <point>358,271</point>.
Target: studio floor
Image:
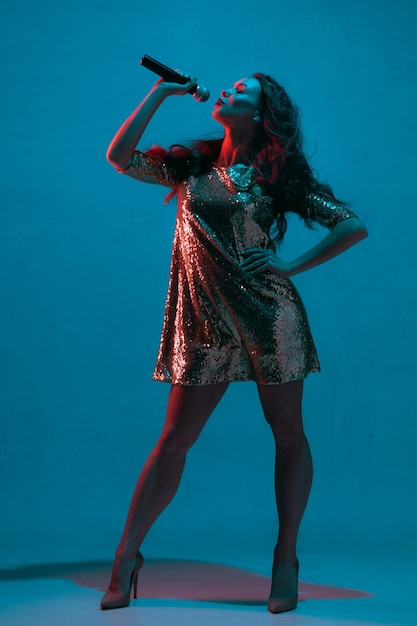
<point>338,586</point>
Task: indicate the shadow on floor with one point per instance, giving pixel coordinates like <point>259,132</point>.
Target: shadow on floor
<point>181,580</point>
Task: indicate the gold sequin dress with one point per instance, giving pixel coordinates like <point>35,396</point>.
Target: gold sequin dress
<point>220,323</point>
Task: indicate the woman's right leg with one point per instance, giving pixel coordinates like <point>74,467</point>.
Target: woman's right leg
<point>188,411</point>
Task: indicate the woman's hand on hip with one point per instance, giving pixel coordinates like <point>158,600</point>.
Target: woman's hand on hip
<point>257,260</point>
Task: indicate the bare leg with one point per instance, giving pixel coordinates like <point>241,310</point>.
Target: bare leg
<point>188,410</point>
<point>293,477</point>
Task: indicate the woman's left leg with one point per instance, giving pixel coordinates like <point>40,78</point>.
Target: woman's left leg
<point>293,476</point>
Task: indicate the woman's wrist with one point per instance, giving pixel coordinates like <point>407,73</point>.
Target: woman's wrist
<point>159,92</point>
<point>292,268</point>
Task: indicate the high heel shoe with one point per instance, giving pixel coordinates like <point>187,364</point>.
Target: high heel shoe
<point>113,600</point>
<point>284,588</point>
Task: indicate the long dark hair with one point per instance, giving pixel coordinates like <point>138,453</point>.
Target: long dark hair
<point>276,155</point>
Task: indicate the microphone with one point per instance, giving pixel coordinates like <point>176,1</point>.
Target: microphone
<point>199,93</point>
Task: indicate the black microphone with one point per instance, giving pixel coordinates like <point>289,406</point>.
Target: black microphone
<point>200,93</point>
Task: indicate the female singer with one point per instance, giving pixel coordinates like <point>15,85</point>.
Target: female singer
<point>232,312</point>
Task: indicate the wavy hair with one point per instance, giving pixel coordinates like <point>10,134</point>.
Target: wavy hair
<point>279,158</point>
<point>276,155</point>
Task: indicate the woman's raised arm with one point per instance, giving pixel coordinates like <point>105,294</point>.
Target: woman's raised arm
<point>124,142</point>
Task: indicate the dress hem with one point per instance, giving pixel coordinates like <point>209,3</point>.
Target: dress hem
<point>234,380</point>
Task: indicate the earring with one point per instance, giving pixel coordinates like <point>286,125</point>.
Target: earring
<point>256,118</point>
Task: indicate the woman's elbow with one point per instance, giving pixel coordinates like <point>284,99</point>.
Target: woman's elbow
<point>361,230</point>
<point>354,228</point>
<point>116,160</point>
<point>111,157</point>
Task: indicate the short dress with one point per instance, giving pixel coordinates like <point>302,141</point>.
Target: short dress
<point>222,324</point>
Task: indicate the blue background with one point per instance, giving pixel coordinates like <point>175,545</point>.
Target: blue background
<point>85,259</point>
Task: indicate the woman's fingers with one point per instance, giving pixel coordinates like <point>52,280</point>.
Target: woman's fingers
<point>257,268</point>
<point>176,89</point>
<point>257,260</point>
<point>182,73</point>
<point>255,256</point>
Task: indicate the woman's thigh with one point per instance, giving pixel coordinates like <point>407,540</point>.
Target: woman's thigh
<point>188,410</point>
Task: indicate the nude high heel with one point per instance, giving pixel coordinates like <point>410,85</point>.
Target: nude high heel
<point>284,588</point>
<point>113,600</point>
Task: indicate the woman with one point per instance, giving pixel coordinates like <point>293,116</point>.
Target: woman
<point>232,314</point>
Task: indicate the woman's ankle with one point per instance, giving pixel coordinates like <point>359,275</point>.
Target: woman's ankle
<point>285,555</point>
<point>126,553</point>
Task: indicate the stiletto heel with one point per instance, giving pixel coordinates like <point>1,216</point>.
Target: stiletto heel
<point>135,581</point>
<point>112,600</point>
<point>284,588</point>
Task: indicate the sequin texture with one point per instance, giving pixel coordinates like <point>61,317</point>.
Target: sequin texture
<point>220,323</point>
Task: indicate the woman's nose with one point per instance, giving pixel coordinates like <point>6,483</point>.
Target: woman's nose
<point>226,93</point>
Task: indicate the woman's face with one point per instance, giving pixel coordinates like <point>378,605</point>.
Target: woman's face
<point>239,103</point>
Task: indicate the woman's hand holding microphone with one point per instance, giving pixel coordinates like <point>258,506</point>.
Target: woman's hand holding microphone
<point>175,89</point>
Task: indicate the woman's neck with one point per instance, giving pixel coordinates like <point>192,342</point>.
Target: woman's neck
<point>235,148</point>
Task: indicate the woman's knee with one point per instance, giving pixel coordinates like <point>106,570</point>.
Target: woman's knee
<point>175,441</point>
<point>287,430</point>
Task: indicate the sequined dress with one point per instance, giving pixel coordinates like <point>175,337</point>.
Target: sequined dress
<point>220,323</point>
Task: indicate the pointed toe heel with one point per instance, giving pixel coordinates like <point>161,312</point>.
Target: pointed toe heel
<point>284,588</point>
<point>117,600</point>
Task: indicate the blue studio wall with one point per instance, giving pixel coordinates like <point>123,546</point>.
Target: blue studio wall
<point>84,267</point>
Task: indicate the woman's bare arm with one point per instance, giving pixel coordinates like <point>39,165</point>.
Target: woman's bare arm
<point>124,142</point>
<point>344,235</point>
